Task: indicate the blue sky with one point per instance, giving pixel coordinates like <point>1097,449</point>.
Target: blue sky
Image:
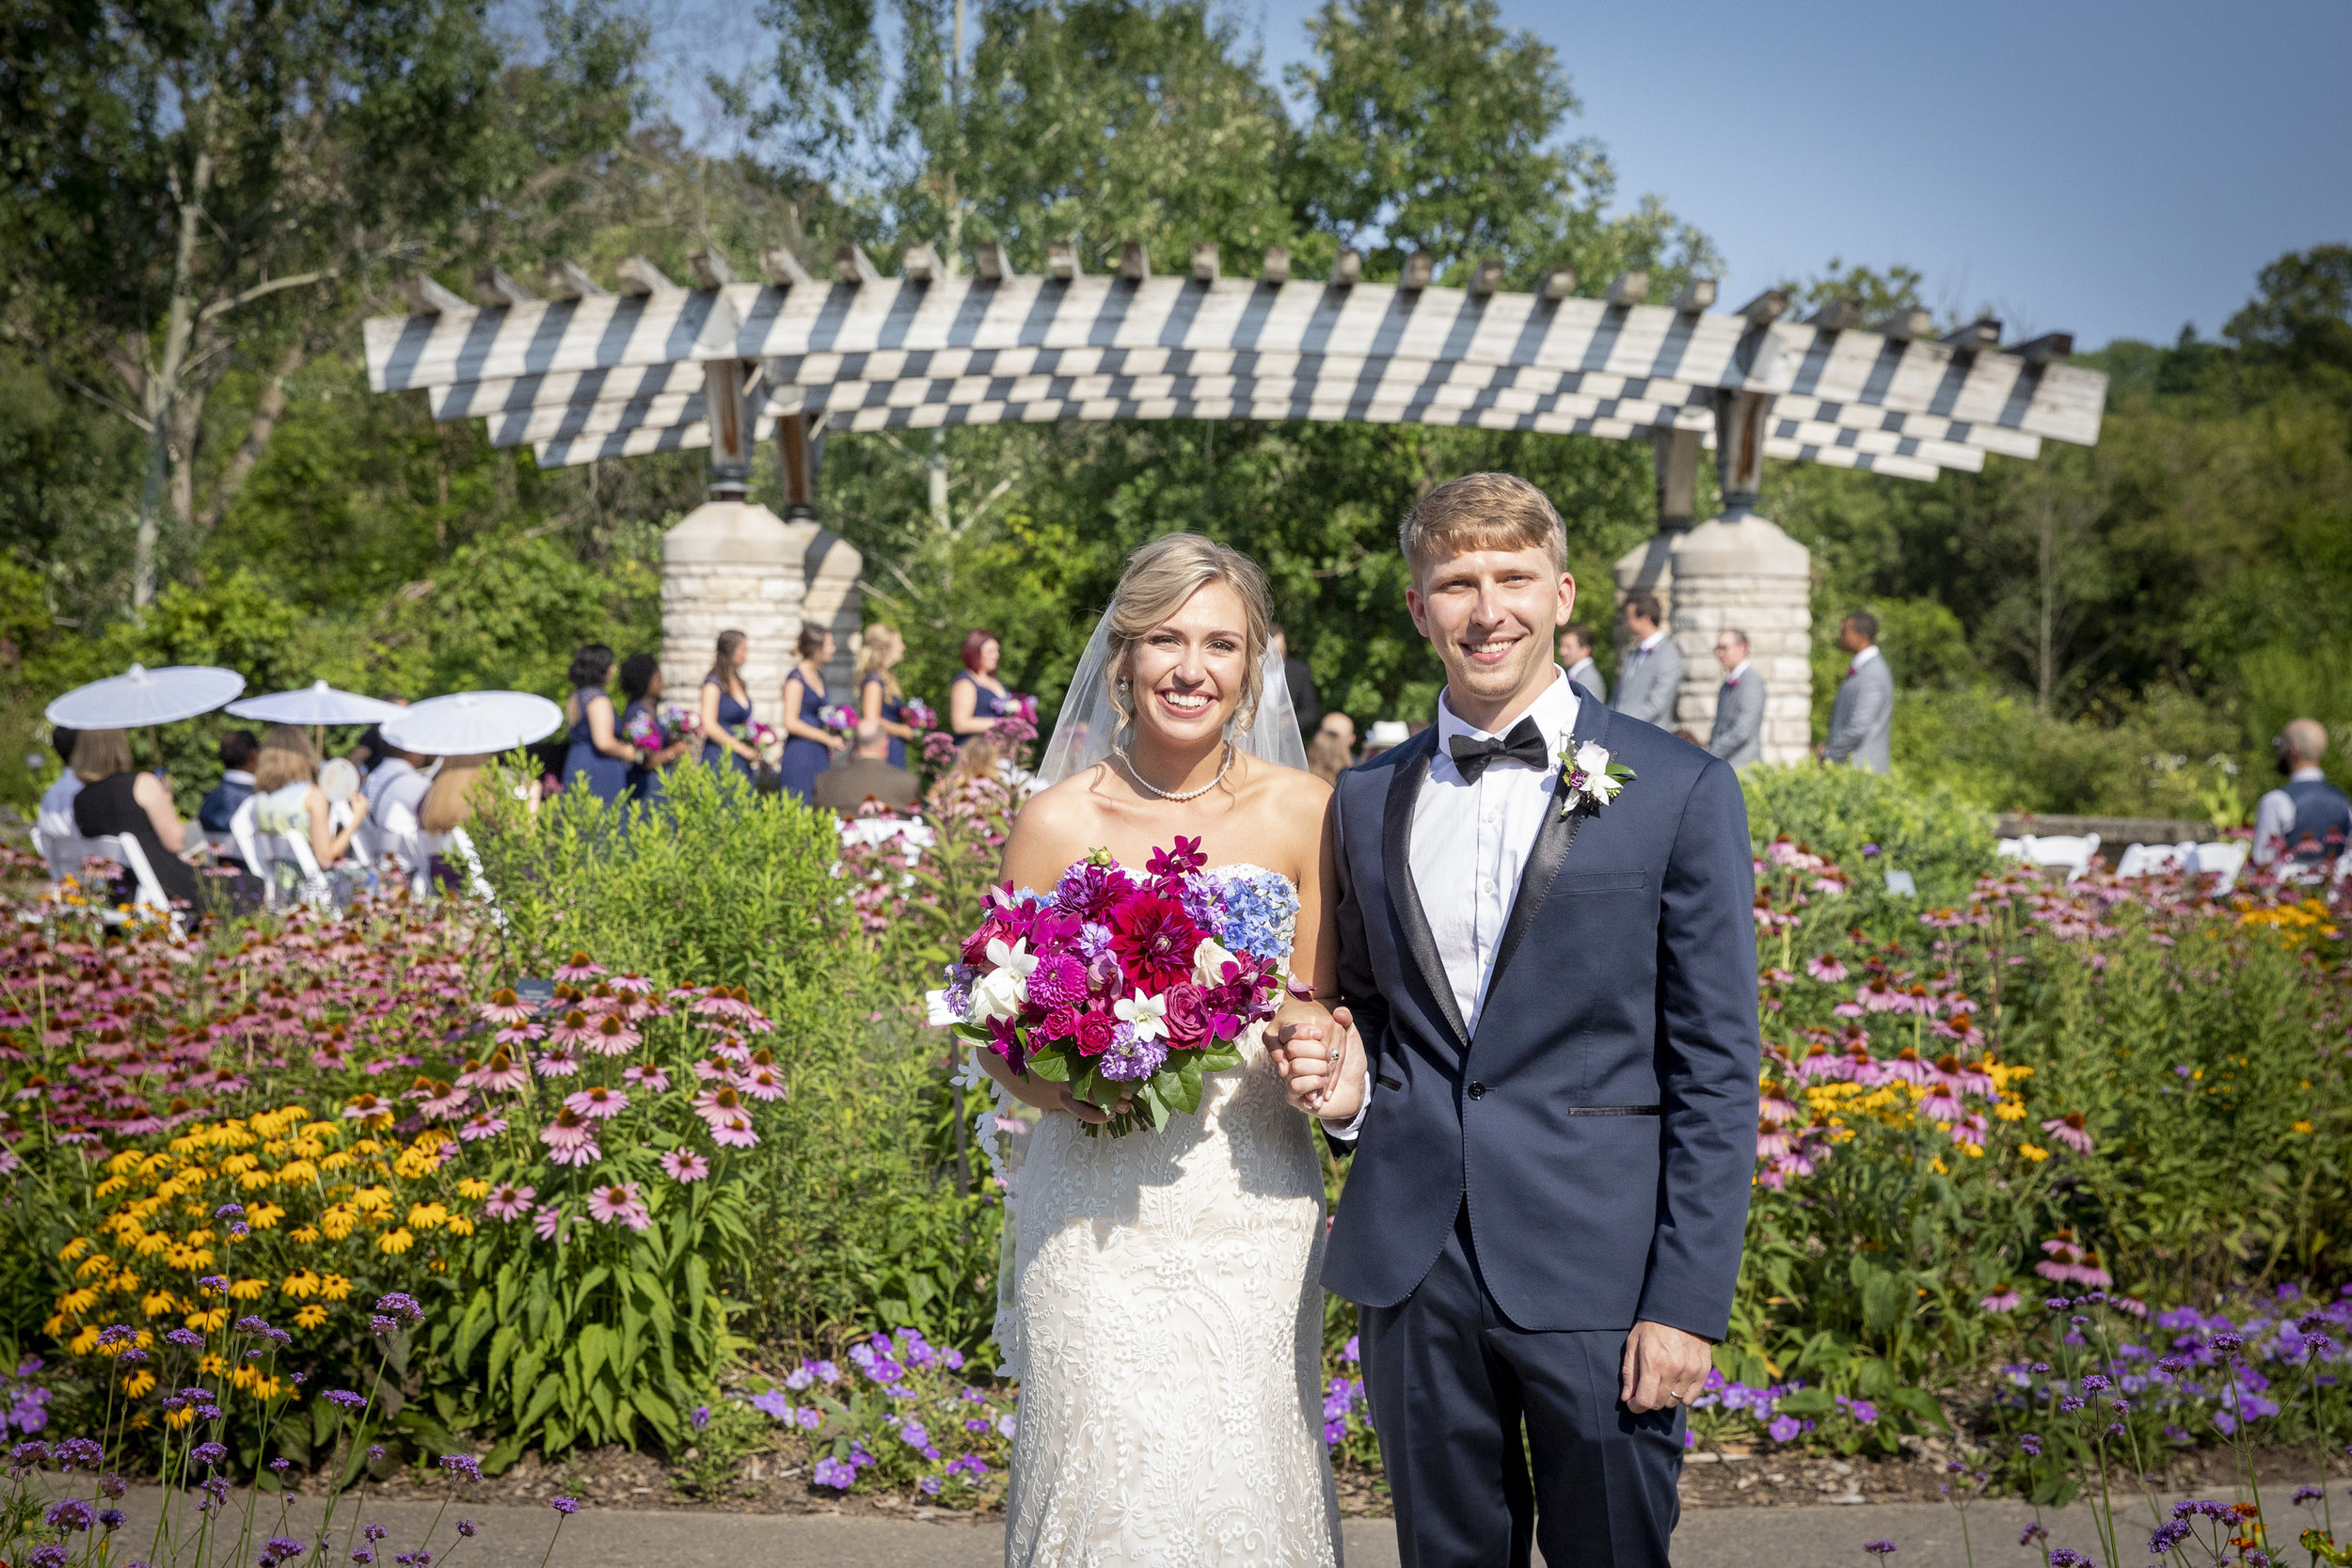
<point>2112,170</point>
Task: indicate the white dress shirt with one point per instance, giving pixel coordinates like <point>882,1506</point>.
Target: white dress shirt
<point>1649,643</point>
<point>1470,842</point>
<point>1741,668</point>
<point>1865,656</point>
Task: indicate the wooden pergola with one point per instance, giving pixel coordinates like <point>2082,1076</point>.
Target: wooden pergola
<point>590,373</point>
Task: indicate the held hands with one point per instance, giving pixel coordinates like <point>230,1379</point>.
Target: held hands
<point>1323,1060</point>
<point>1663,1367</point>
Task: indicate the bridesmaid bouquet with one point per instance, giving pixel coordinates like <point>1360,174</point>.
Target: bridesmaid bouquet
<point>840,718</point>
<point>1018,705</point>
<point>652,732</point>
<point>917,715</point>
<point>1122,986</point>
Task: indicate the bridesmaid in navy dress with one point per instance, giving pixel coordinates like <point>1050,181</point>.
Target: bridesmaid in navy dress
<point>598,758</point>
<point>640,684</point>
<point>975,698</point>
<point>727,701</point>
<point>809,746</point>
<point>877,694</point>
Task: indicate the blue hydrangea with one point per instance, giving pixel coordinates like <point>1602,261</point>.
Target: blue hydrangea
<point>1258,914</point>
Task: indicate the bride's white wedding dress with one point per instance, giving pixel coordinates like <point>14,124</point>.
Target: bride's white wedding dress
<point>1166,1321</point>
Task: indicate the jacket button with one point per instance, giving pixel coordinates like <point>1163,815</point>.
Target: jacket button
<point>1477,1091</point>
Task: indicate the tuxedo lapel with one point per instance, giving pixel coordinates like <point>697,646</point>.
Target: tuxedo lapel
<point>1553,842</point>
<point>1396,863</point>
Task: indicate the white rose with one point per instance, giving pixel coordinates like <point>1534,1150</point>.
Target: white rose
<point>1209,961</point>
<point>943,1016</point>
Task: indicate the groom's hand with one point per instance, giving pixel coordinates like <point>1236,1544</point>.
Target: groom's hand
<point>1323,1064</point>
<point>1663,1367</point>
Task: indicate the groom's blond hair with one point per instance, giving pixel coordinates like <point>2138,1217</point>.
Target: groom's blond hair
<point>1481,511</point>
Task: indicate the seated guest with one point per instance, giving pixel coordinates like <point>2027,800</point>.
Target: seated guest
<point>448,804</point>
<point>397,778</point>
<point>56,802</point>
<point>236,781</point>
<point>2306,822</point>
<point>979,760</point>
<point>287,800</point>
<point>849,784</point>
<point>116,798</point>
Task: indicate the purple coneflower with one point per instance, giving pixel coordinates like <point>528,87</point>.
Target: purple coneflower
<point>558,1063</point>
<point>580,967</point>
<point>685,1166</point>
<point>2002,1300</point>
<point>2069,1129</point>
<point>570,1139</point>
<point>613,1037</point>
<point>734,1133</point>
<point>482,1124</point>
<point>596,1103</point>
<point>505,1007</point>
<point>723,1103</point>
<point>573,1031</point>
<point>510,1202</point>
<point>619,1201</point>
<point>761,1084</point>
<point>647,1077</point>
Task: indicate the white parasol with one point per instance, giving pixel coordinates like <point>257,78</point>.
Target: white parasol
<point>140,696</point>
<point>472,723</point>
<point>315,703</point>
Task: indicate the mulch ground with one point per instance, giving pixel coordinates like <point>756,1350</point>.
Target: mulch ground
<point>618,1478</point>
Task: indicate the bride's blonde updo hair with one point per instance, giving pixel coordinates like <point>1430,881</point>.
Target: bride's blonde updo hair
<point>1159,579</point>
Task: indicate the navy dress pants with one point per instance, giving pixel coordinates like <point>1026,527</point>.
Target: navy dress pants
<point>1464,1401</point>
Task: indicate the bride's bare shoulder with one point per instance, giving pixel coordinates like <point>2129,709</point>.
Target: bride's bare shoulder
<point>1288,795</point>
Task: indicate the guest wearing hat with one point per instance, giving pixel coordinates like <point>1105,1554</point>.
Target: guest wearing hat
<point>1386,735</point>
<point>116,798</point>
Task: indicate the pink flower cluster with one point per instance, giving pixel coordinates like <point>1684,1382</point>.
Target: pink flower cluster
<point>2066,1262</point>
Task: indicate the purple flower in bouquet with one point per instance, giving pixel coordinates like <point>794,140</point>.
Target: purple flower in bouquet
<point>1132,1057</point>
<point>917,715</point>
<point>840,718</point>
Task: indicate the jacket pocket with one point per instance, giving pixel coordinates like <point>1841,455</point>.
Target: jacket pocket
<point>1602,882</point>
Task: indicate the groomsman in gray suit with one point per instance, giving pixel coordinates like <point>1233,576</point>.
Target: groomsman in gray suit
<point>1575,657</point>
<point>1738,734</point>
<point>1650,674</point>
<point>1861,725</point>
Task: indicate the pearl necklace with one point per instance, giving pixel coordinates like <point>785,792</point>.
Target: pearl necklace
<point>1136,773</point>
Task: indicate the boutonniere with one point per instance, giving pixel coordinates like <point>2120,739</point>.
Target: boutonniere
<point>1590,775</point>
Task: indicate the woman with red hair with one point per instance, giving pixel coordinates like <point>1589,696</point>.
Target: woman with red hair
<point>975,698</point>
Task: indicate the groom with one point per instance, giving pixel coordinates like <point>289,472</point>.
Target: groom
<point>1547,1072</point>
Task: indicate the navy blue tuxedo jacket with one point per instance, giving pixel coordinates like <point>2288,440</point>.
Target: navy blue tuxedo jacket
<point>1601,1125</point>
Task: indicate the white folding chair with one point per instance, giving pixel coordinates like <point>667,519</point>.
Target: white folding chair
<point>2223,859</point>
<point>362,848</point>
<point>2075,854</point>
<point>252,848</point>
<point>2154,860</point>
<point>399,839</point>
<point>64,852</point>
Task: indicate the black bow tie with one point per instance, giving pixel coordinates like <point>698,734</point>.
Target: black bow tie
<point>1524,745</point>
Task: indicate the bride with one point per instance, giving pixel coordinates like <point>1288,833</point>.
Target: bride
<point>1163,1310</point>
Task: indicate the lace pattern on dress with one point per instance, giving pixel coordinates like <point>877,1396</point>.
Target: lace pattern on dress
<point>1165,1319</point>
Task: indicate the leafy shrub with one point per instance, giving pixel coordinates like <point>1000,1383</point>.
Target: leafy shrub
<point>1942,841</point>
<point>860,1209</point>
<point>2149,759</point>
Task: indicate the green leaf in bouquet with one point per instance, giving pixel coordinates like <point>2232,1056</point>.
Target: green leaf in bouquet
<point>1050,1064</point>
<point>1152,1104</point>
<point>1217,1058</point>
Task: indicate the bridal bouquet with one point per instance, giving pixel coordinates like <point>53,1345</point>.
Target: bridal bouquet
<point>1126,987</point>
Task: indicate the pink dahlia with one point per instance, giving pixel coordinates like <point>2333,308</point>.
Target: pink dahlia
<point>684,1166</point>
<point>596,1103</point>
<point>619,1201</point>
<point>1058,981</point>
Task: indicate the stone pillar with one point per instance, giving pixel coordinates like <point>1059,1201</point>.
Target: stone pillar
<point>1742,570</point>
<point>736,565</point>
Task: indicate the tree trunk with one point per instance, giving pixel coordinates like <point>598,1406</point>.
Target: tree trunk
<point>162,387</point>
<point>936,469</point>
<point>266,413</point>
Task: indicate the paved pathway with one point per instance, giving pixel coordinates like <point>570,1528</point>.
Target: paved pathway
<point>1927,1535</point>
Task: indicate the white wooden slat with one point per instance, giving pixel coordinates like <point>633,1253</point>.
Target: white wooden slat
<point>1177,313</point>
